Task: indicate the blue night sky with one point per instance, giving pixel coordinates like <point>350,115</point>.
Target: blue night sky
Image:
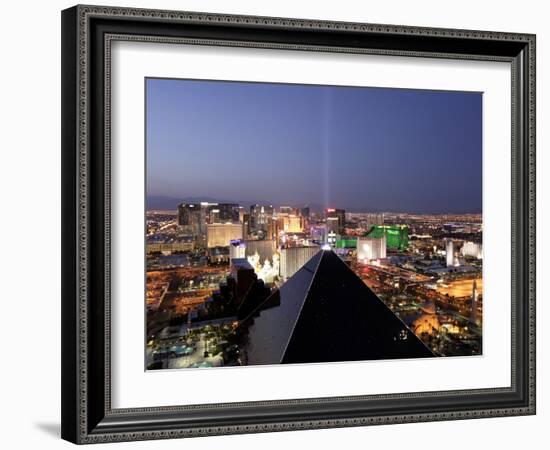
<point>349,147</point>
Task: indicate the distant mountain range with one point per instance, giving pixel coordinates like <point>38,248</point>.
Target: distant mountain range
<point>162,202</point>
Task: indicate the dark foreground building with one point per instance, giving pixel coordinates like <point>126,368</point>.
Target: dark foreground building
<point>325,313</point>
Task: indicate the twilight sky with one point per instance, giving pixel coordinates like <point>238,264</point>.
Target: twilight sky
<point>349,147</point>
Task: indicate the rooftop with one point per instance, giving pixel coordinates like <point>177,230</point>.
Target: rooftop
<point>326,313</point>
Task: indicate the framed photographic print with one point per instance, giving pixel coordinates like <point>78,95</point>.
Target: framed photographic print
<point>281,224</point>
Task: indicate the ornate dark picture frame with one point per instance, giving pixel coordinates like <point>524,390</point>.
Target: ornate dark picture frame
<point>87,34</point>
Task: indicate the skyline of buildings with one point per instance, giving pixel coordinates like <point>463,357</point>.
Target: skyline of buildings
<point>165,203</point>
<point>222,268</point>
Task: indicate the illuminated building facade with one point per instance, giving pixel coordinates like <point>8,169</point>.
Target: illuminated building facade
<point>397,236</point>
<point>449,253</point>
<point>472,249</point>
<point>193,217</point>
<point>332,225</point>
<point>293,258</point>
<point>331,239</point>
<point>346,243</point>
<point>319,233</point>
<point>272,232</point>
<point>290,223</point>
<point>268,270</point>
<point>189,217</point>
<point>206,209</point>
<point>264,248</point>
<point>237,250</point>
<point>427,323</point>
<point>228,212</point>
<point>370,248</point>
<point>259,215</point>
<point>295,224</point>
<point>221,234</point>
<point>214,216</point>
<point>335,219</point>
<point>246,225</point>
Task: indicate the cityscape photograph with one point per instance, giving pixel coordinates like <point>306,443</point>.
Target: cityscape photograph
<point>293,223</point>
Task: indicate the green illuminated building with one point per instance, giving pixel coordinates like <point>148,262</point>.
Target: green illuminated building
<point>397,236</point>
<point>346,243</point>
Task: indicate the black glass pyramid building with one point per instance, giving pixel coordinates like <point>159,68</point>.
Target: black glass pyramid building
<point>326,313</point>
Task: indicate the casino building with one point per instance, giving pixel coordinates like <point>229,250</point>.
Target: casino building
<point>397,236</point>
<point>325,313</point>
